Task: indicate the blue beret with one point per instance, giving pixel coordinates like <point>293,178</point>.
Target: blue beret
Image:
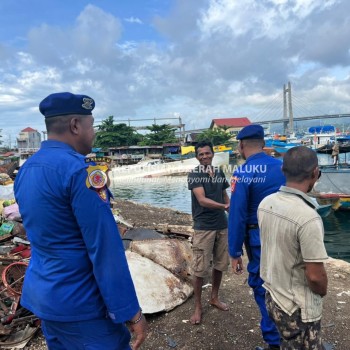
<point>253,131</point>
<point>64,103</point>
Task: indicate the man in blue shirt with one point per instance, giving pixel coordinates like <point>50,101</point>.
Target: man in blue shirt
<point>78,281</point>
<point>258,177</point>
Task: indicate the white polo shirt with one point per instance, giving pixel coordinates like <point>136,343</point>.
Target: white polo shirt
<point>291,233</point>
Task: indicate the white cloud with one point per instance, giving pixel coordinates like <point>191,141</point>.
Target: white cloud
<point>133,20</point>
<point>218,58</point>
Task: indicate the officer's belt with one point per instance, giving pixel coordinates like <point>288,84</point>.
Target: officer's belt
<point>252,226</point>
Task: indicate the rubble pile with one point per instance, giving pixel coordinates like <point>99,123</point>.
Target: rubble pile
<point>17,324</point>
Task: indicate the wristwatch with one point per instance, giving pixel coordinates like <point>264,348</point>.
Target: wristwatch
<point>137,320</point>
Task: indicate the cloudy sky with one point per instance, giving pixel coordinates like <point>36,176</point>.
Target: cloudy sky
<point>198,59</point>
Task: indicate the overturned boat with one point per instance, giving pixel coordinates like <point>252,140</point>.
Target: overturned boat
<point>158,169</point>
<point>160,268</point>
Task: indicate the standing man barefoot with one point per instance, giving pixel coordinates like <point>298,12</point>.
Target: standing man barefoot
<point>209,203</point>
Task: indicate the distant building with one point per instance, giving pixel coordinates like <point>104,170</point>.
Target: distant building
<point>133,154</point>
<point>233,125</point>
<point>29,139</point>
<point>191,138</point>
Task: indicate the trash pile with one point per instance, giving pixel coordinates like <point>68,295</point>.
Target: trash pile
<point>17,324</point>
<point>159,262</point>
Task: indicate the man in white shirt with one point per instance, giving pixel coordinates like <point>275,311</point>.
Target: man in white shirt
<point>293,254</point>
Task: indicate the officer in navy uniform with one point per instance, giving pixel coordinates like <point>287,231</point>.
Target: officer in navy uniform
<point>258,177</point>
<point>78,281</point>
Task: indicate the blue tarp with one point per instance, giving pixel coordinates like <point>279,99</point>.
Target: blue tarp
<point>320,129</point>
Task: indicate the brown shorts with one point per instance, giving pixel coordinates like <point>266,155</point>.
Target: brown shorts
<point>209,246</point>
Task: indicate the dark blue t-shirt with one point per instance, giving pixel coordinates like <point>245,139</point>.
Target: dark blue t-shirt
<point>78,269</point>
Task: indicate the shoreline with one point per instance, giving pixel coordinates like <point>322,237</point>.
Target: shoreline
<point>238,328</point>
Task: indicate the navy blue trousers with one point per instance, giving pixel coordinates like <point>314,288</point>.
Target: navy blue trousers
<point>268,328</point>
<point>100,334</point>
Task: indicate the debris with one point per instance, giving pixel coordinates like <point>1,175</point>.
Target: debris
<point>171,342</point>
<point>328,325</point>
<point>344,292</point>
<point>185,231</point>
<point>17,325</point>
<point>157,288</point>
<point>17,240</point>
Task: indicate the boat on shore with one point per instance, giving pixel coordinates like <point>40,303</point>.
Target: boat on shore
<point>157,168</point>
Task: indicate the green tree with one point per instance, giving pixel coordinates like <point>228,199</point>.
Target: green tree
<point>109,134</point>
<point>217,136</point>
<point>159,134</point>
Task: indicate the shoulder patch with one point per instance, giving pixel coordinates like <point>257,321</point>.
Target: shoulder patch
<point>233,183</point>
<point>97,178</point>
<point>103,194</point>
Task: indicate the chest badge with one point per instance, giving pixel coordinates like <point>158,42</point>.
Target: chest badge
<point>233,183</point>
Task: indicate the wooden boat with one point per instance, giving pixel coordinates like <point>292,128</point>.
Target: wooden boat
<point>321,136</point>
<point>334,186</point>
<point>323,209</point>
<point>279,147</point>
<point>153,169</point>
<point>344,146</point>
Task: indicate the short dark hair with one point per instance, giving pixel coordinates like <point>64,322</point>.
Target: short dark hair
<point>202,144</point>
<point>298,163</point>
<point>60,124</point>
<point>254,142</point>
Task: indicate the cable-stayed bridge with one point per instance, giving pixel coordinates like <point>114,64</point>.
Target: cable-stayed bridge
<point>293,109</point>
<point>292,105</point>
<point>295,119</point>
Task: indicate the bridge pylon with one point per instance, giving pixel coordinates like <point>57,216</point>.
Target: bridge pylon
<point>288,123</point>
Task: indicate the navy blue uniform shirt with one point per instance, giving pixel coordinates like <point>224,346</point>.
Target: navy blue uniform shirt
<point>258,177</point>
<point>78,269</point>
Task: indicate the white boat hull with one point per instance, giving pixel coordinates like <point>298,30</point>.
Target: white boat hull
<point>125,173</point>
<point>157,288</point>
<point>333,181</point>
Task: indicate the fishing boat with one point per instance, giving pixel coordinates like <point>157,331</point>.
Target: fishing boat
<point>321,136</point>
<point>334,186</point>
<point>157,168</point>
<point>280,147</point>
<point>344,146</point>
<point>323,209</point>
